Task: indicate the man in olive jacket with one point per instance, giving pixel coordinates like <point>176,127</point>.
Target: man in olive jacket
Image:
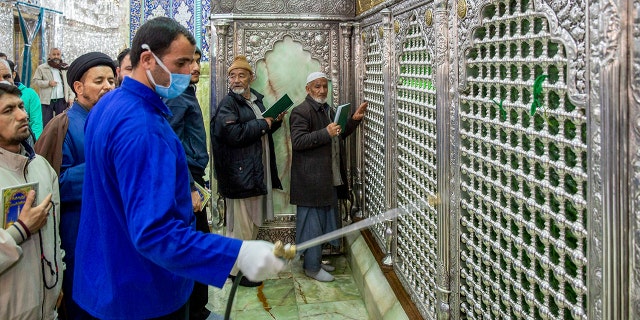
<point>316,169</point>
<point>244,157</point>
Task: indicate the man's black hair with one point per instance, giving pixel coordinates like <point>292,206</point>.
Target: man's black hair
<point>158,33</point>
<point>198,51</point>
<point>13,68</point>
<point>123,54</point>
<point>9,89</point>
<point>3,55</point>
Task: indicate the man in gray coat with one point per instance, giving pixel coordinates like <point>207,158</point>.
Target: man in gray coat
<point>316,169</point>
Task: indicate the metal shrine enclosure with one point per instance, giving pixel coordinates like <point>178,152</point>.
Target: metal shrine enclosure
<point>516,230</point>
<point>513,125</point>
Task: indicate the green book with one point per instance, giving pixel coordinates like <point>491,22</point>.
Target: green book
<point>280,106</point>
<point>342,115</point>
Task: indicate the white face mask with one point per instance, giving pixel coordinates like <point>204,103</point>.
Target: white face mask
<point>178,82</point>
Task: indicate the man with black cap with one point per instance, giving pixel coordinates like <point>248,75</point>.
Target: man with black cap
<point>90,76</point>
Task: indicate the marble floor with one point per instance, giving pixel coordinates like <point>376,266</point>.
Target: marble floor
<point>292,295</point>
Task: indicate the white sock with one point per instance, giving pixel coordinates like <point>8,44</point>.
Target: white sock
<point>327,267</point>
<point>320,275</point>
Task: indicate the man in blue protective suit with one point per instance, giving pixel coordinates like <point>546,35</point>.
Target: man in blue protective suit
<point>138,252</point>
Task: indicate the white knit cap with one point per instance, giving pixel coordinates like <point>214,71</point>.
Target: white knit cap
<point>316,75</point>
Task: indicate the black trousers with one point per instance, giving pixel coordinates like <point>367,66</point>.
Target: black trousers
<point>54,108</point>
<point>200,295</point>
<point>180,314</point>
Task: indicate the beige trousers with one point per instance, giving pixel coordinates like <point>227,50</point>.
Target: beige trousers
<point>243,211</point>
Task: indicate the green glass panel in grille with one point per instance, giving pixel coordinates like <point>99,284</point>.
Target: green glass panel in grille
<point>523,176</point>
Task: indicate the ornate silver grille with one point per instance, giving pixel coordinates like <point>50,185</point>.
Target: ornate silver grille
<point>417,174</point>
<point>534,215</point>
<point>374,148</point>
<point>523,177</point>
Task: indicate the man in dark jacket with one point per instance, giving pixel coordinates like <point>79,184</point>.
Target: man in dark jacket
<point>316,169</point>
<point>188,125</point>
<point>244,157</point>
<point>124,67</point>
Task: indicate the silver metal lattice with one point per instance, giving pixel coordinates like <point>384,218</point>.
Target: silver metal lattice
<point>374,149</point>
<point>523,176</point>
<point>417,174</point>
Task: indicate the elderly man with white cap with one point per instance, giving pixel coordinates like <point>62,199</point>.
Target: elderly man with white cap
<point>317,169</point>
<point>244,156</point>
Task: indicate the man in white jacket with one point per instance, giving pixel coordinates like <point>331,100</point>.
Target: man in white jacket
<point>30,255</point>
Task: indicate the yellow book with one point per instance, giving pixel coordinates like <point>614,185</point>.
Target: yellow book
<point>205,195</point>
<point>13,199</point>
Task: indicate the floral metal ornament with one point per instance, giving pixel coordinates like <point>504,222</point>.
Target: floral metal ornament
<point>462,9</point>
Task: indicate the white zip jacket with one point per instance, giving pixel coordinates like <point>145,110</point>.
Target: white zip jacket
<point>25,292</point>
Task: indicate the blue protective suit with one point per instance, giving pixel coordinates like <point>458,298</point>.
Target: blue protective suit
<point>138,252</point>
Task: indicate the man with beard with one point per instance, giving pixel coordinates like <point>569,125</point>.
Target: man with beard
<point>90,76</point>
<point>29,96</point>
<point>188,124</point>
<point>244,157</point>
<point>30,254</point>
<point>124,65</point>
<point>51,79</point>
<point>317,170</point>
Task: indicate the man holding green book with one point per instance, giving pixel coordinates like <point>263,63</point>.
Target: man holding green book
<point>317,169</point>
<point>244,156</point>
